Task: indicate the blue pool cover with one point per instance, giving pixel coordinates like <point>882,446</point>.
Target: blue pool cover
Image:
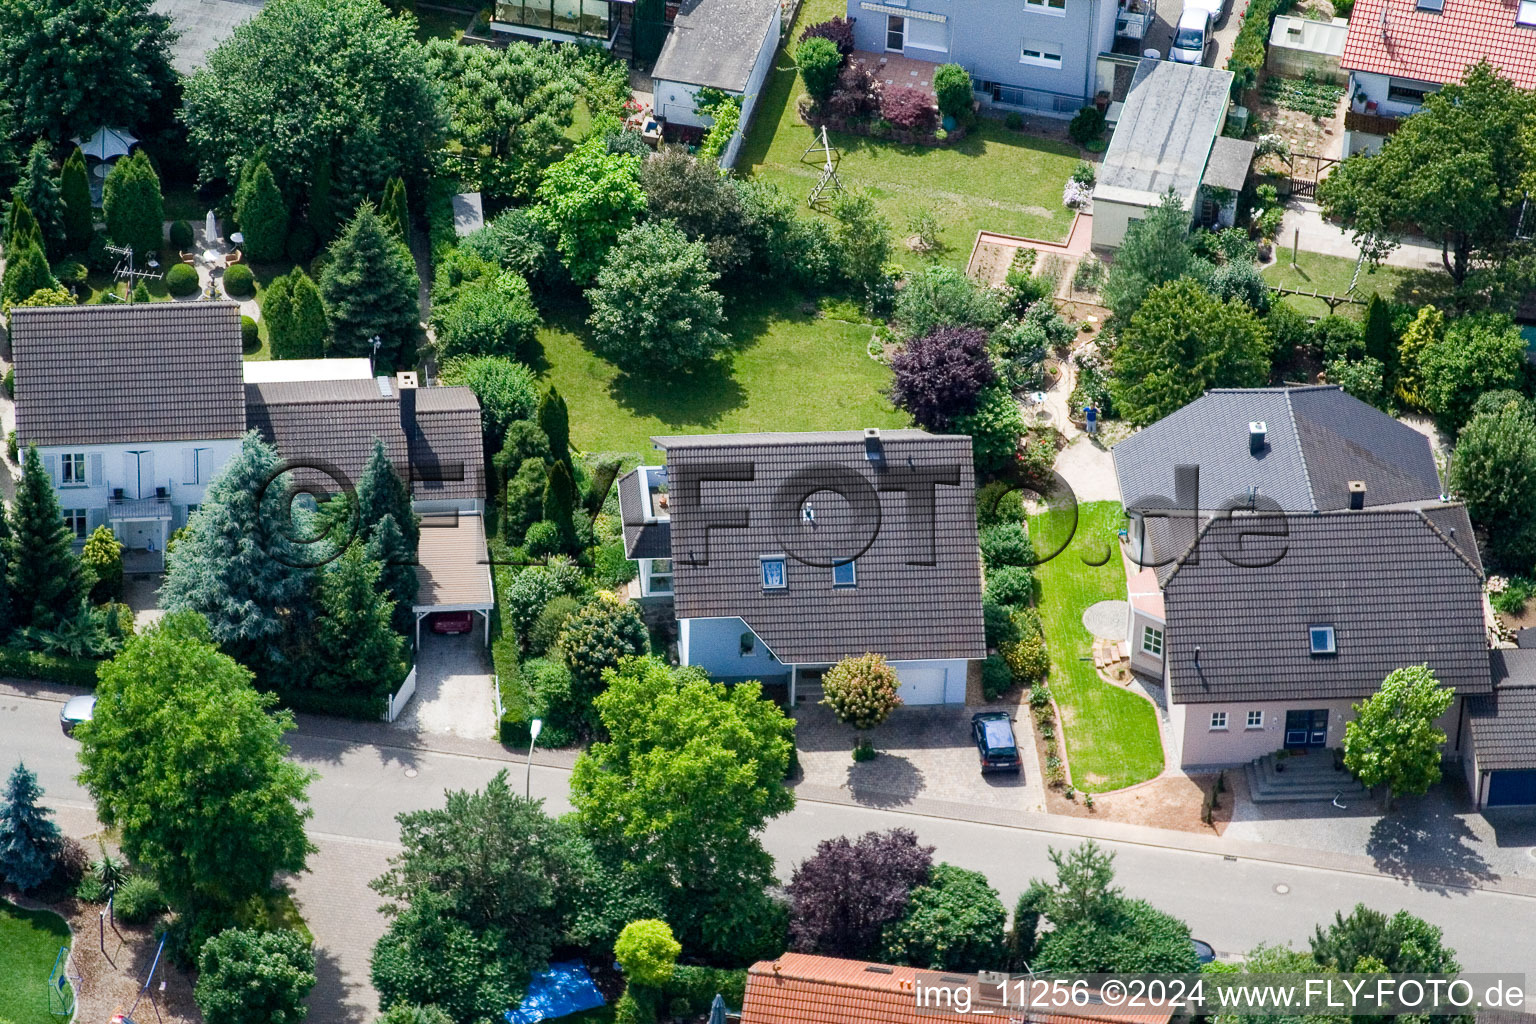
<point>561,989</point>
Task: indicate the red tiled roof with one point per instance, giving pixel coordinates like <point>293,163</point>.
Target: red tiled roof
<point>1436,47</point>
<point>799,988</point>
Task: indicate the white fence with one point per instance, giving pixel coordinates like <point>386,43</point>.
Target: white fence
<point>397,701</point>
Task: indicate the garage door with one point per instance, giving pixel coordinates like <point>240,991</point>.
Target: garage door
<point>1508,788</point>
<point>922,685</point>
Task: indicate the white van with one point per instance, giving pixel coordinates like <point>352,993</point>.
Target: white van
<point>1192,37</point>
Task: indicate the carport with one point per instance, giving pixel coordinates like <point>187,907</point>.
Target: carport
<point>453,568</point>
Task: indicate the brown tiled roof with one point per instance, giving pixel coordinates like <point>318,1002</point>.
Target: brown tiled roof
<point>900,607</point>
<point>1504,722</point>
<point>151,371</point>
<point>428,436</point>
<point>799,988</point>
<point>452,566</point>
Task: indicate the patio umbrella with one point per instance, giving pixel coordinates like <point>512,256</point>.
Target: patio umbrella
<point>717,1010</point>
<point>210,229</point>
<point>108,144</point>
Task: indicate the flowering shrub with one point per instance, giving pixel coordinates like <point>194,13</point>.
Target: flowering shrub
<point>909,108</point>
<point>1075,195</point>
<point>861,691</point>
<point>857,93</point>
<point>1272,142</point>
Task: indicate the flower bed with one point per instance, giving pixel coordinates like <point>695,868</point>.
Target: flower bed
<point>878,128</point>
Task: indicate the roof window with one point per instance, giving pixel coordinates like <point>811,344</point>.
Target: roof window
<point>1526,15</point>
<point>845,575</point>
<point>1322,640</point>
<point>773,572</point>
<point>1435,6</point>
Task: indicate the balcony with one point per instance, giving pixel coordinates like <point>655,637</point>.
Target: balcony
<point>1371,124</point>
<point>155,507</point>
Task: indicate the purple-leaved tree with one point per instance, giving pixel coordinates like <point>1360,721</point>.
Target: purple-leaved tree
<point>939,374</point>
<point>841,898</point>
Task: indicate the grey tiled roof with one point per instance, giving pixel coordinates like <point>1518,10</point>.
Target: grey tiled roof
<point>715,43</point>
<point>1318,440</point>
<point>1395,589</point>
<point>901,610</point>
<point>150,371</point>
<point>201,25</point>
<point>336,422</point>
<point>641,539</point>
<point>1504,722</point>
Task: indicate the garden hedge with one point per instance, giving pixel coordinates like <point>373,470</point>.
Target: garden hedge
<point>50,668</point>
<point>1250,47</point>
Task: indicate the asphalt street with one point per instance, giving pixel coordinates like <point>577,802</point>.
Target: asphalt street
<point>1233,903</point>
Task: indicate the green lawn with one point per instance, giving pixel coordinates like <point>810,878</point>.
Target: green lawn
<point>1110,733</point>
<point>994,179</point>
<point>792,371</point>
<point>1331,275</point>
<point>29,943</point>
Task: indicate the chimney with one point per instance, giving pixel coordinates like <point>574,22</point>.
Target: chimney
<point>406,379</point>
<point>1257,430</point>
<point>874,448</point>
<point>1356,495</point>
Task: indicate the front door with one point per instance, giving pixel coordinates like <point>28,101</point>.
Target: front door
<point>1305,729</point>
<point>895,33</point>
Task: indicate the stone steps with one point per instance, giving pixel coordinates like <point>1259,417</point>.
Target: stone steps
<point>1108,653</point>
<point>1308,778</point>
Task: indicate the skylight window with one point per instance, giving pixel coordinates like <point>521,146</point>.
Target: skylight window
<point>1526,15</point>
<point>1431,5</point>
<point>845,575</point>
<point>1322,640</point>
<point>773,572</point>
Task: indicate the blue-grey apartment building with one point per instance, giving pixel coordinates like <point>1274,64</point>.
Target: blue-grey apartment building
<point>1035,55</point>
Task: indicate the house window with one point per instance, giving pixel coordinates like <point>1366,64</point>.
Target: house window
<point>1322,640</point>
<point>661,576</point>
<point>1218,720</point>
<point>1255,720</point>
<point>895,33</point>
<point>1050,6</point>
<point>1046,55</point>
<point>773,573</point>
<point>1407,92</point>
<point>74,518</point>
<point>1152,641</point>
<point>72,469</point>
<point>845,575</point>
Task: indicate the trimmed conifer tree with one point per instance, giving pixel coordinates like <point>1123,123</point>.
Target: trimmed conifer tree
<point>235,565</point>
<point>277,313</point>
<point>46,579</point>
<point>361,654</point>
<point>28,840</point>
<point>38,189</point>
<point>555,421</point>
<point>306,326</point>
<point>261,213</point>
<point>560,502</point>
<point>20,226</point>
<point>382,493</point>
<point>140,293</point>
<point>370,289</point>
<point>134,207</point>
<point>103,556</point>
<point>396,556</point>
<point>26,272</point>
<point>1379,343</point>
<point>322,209</point>
<point>75,194</point>
<point>395,212</point>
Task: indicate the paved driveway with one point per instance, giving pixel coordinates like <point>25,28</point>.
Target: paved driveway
<point>455,691</point>
<point>924,752</point>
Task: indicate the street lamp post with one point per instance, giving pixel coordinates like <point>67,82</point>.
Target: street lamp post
<point>534,727</point>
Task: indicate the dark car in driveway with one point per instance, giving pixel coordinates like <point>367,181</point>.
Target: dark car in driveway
<point>993,733</point>
<point>451,622</point>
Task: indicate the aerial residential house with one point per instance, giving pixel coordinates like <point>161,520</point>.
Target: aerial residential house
<point>727,45</point>
<point>1038,55</point>
<point>781,554</point>
<point>1296,550</point>
<point>1399,51</point>
<point>1168,138</point>
<point>133,409</point>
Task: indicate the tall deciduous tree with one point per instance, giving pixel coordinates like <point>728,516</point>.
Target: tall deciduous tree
<point>654,307</point>
<point>337,84</point>
<point>1453,172</point>
<point>134,207</point>
<point>1481,352</point>
<point>672,731</point>
<point>1393,739</point>
<point>1156,250</point>
<point>1182,341</point>
<point>370,288</point>
<point>1494,472</point>
<point>589,198</point>
<point>69,67</point>
<point>939,375</point>
<point>186,760</point>
<point>235,564</point>
<point>360,654</point>
<point>255,977</point>
<point>261,213</point>
<point>38,189</point>
<point>705,206</point>
<point>47,583</point>
<point>842,897</point>
<point>28,839</point>
<point>953,922</point>
<point>506,390</point>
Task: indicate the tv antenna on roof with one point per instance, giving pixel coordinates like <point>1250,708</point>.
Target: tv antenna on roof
<point>828,182</point>
<point>125,271</point>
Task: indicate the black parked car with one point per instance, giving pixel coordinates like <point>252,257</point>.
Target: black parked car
<point>993,732</point>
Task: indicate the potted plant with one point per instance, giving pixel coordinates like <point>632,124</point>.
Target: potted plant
<point>1101,100</point>
<point>1280,756</point>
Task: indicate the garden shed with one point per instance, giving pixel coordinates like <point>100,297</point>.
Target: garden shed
<point>1163,141</point>
<point>715,44</point>
<point>1299,45</point>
